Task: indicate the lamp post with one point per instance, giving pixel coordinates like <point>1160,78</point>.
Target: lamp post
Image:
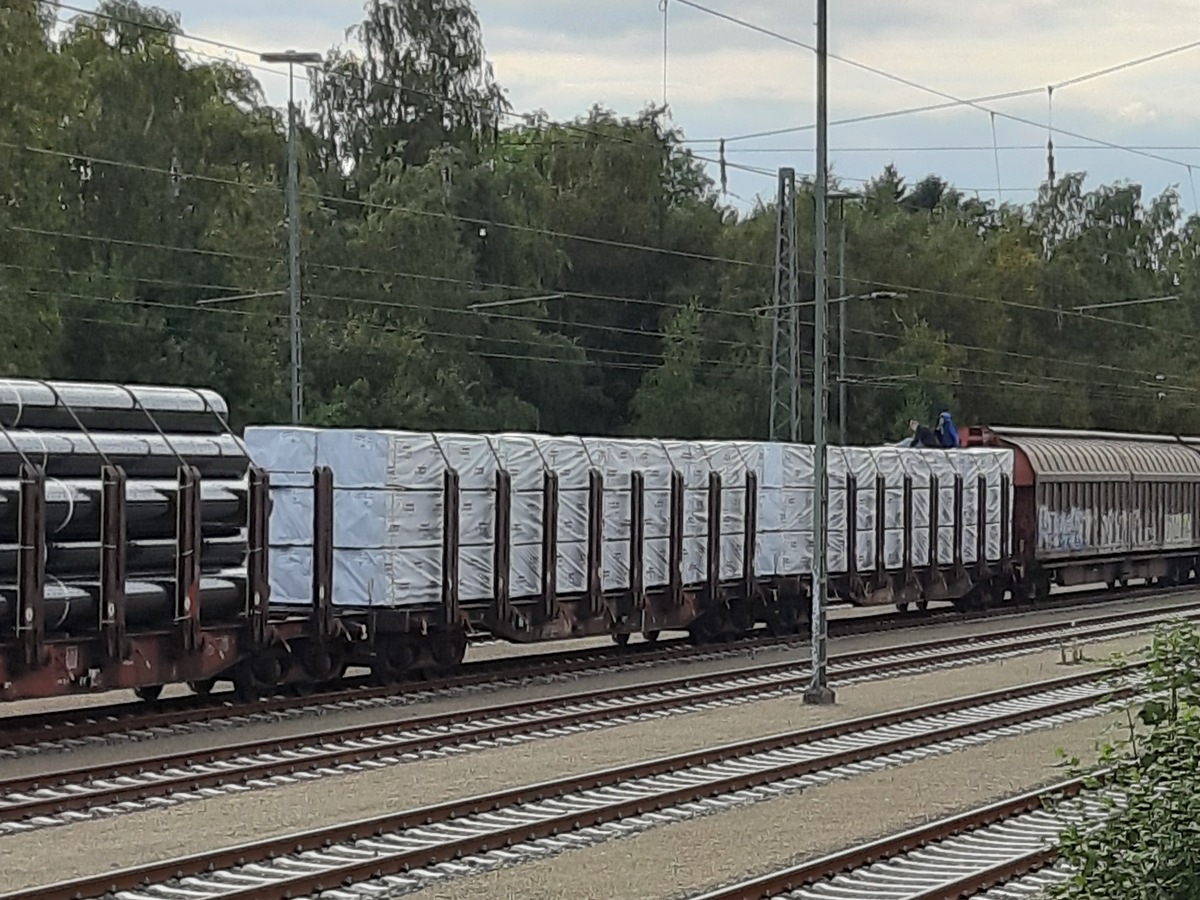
<point>819,691</point>
<point>293,58</point>
<point>841,197</point>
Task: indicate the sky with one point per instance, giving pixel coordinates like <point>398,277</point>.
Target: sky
<point>724,80</point>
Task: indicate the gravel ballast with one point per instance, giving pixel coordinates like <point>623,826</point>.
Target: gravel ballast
<point>106,844</point>
<point>704,853</point>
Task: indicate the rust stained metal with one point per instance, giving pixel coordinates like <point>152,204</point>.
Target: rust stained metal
<point>637,542</point>
<point>451,611</point>
<point>549,608</point>
<point>675,547</point>
<point>712,561</point>
<point>31,568</point>
<point>323,617</point>
<point>187,561</point>
<point>113,559</point>
<point>74,666</point>
<point>595,607</point>
<point>258,583</point>
<point>750,538</point>
<point>502,557</point>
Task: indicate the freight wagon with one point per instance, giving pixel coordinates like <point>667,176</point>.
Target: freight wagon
<point>416,537</point>
<point>142,543</point>
<point>1092,507</point>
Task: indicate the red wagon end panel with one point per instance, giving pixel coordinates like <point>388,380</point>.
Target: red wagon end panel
<point>1106,507</point>
<point>1024,513</point>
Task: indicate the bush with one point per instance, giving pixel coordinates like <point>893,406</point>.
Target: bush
<point>1150,847</point>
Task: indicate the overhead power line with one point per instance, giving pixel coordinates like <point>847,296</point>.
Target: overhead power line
<point>1047,382</point>
<point>951,98</point>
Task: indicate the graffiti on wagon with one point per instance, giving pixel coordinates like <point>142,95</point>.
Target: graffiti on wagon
<point>1077,529</point>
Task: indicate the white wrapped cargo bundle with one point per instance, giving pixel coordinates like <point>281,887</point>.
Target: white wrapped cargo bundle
<point>785,513</point>
<point>525,570</point>
<point>361,578</point>
<point>389,498</point>
<point>405,459</point>
<point>568,458</point>
<point>787,466</point>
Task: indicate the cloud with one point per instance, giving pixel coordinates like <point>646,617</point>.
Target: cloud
<point>725,80</point>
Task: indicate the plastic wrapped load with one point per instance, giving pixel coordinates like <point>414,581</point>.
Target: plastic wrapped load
<point>690,460</point>
<point>389,512</point>
<point>991,466</point>
<point>733,462</point>
<point>786,504</point>
<point>569,459</point>
<point>283,450</point>
<point>520,457</point>
<point>617,461</point>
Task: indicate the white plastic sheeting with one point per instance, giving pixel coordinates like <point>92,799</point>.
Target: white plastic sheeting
<point>389,515</point>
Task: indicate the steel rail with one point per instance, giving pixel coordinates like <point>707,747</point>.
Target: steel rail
<point>91,786</point>
<point>106,726</point>
<point>793,880</point>
<point>365,865</point>
<point>100,721</point>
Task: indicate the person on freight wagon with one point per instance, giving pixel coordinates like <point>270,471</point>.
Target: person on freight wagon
<point>922,436</point>
<point>947,434</point>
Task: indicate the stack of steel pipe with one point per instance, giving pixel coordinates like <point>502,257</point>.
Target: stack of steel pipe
<point>71,433</point>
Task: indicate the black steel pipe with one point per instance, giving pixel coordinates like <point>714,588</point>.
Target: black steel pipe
<point>73,508</point>
<point>66,454</point>
<point>148,556</point>
<point>74,608</point>
<point>67,406</point>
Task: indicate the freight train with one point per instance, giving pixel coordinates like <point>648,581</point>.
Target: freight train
<point>143,543</point>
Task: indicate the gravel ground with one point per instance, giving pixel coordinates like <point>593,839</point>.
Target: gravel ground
<point>704,853</point>
<point>89,847</point>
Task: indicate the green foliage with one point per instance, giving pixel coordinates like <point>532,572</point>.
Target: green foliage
<point>1149,849</point>
<point>465,270</point>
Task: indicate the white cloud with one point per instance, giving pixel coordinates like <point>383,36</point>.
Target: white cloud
<point>724,80</point>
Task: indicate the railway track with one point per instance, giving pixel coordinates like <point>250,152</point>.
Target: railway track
<point>1003,851</point>
<point>39,801</point>
<point>67,729</point>
<point>400,852</point>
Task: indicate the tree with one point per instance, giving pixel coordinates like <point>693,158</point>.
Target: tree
<point>38,92</point>
<point>422,83</point>
<point>174,199</point>
<point>1147,848</point>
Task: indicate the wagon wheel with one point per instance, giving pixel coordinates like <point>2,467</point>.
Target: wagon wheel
<point>202,689</point>
<point>149,693</point>
<point>651,636</point>
<point>620,638</point>
<point>1041,587</point>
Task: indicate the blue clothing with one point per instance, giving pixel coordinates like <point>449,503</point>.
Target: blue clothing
<point>946,432</point>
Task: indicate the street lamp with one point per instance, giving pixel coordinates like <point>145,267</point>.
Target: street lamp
<point>841,197</point>
<point>819,691</point>
<point>293,58</point>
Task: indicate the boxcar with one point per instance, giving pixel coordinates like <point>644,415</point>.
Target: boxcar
<point>1092,507</point>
